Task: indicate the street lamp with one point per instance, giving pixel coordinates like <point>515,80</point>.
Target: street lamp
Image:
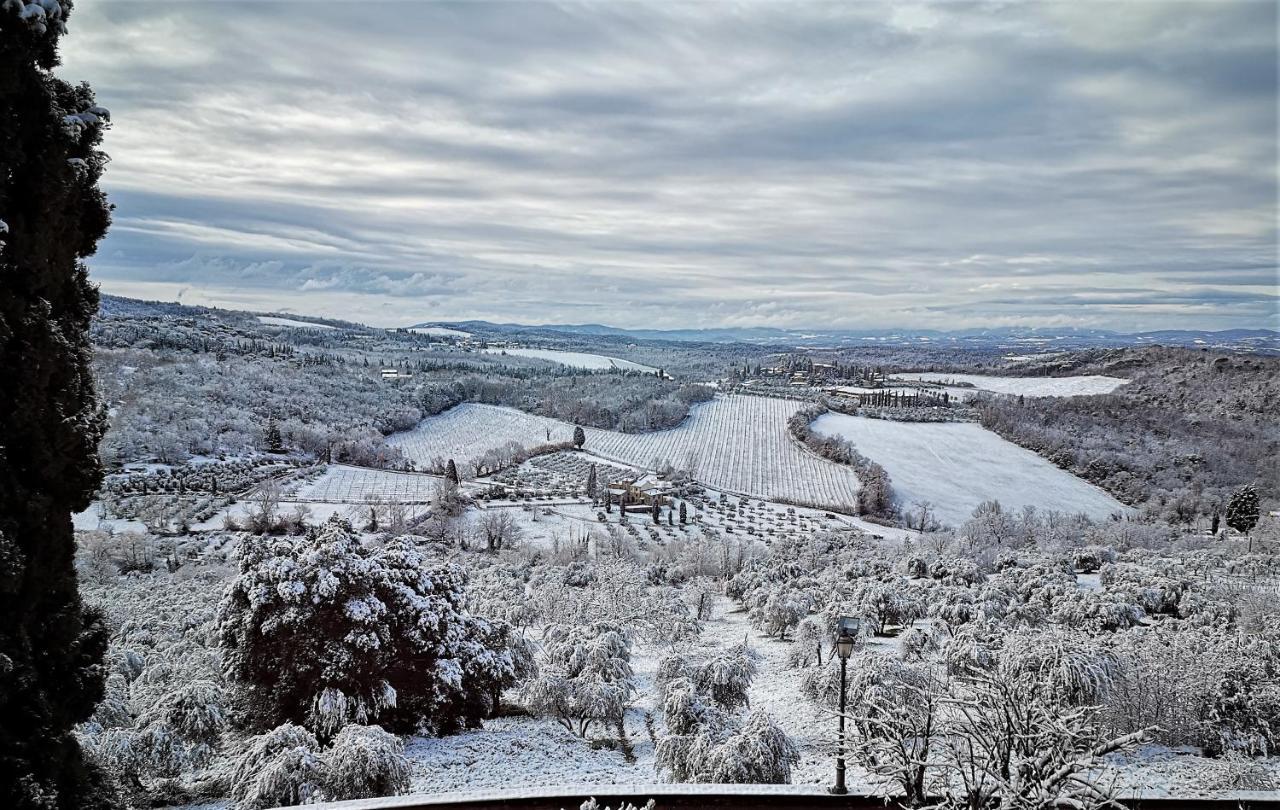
<point>846,636</point>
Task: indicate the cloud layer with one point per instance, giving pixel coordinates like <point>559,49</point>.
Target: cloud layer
<point>664,165</point>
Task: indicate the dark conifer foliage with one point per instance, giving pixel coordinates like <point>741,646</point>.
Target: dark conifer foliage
<point>53,215</point>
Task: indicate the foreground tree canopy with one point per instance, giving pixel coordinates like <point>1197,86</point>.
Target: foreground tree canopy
<point>52,215</point>
<point>323,631</point>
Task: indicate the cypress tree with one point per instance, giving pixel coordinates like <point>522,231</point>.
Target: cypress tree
<point>592,483</point>
<point>451,472</point>
<point>52,215</point>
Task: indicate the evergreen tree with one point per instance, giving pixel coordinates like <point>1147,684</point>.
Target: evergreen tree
<point>52,215</point>
<point>579,437</point>
<point>451,472</point>
<point>1242,510</point>
<point>592,483</point>
<point>324,631</point>
<point>655,511</point>
<point>684,514</point>
<point>274,442</point>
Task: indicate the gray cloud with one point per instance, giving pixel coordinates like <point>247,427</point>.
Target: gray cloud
<point>856,165</point>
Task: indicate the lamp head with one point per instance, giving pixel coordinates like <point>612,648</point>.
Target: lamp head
<point>847,629</point>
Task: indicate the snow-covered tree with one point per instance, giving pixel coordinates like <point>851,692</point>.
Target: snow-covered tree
<point>1242,509</point>
<point>810,638</point>
<point>365,762</point>
<point>726,676</point>
<point>279,768</point>
<point>324,631</point>
<point>584,676</point>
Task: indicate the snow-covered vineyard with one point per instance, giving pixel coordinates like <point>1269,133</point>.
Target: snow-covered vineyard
<point>740,444</point>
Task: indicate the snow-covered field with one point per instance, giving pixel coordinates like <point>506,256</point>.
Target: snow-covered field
<point>439,331</point>
<point>271,320</point>
<point>466,431</point>
<point>576,359</point>
<point>343,484</point>
<point>735,443</point>
<point>957,465</point>
<point>1027,386</point>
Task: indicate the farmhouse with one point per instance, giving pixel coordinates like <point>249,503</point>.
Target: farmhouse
<point>395,374</point>
<point>649,488</point>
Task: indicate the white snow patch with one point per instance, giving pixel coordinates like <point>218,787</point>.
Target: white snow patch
<point>957,465</point>
<point>1027,386</point>
<point>576,359</point>
<point>272,320</point>
<point>438,331</point>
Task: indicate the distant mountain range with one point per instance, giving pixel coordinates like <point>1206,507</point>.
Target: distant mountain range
<point>1029,338</point>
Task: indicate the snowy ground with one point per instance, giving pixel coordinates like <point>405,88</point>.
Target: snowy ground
<point>529,753</point>
<point>957,465</point>
<point>1027,386</point>
<point>535,753</point>
<point>576,359</point>
<point>343,484</point>
<point>271,320</point>
<point>92,518</point>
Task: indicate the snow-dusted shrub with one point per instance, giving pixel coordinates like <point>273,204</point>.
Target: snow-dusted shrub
<point>584,676</point>
<point>672,665</point>
<point>1095,612</point>
<point>707,745</point>
<point>1073,666</point>
<point>365,762</point>
<point>324,631</point>
<point>1200,686</point>
<point>821,685</point>
<point>810,637</point>
<point>1010,741</point>
<point>758,752</point>
<point>726,676</point>
<point>884,604</point>
<point>957,571</point>
<point>968,650</point>
<point>918,643</point>
<point>894,722</point>
<point>280,768</point>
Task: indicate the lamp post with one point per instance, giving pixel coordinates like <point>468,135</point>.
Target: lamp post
<point>846,636</point>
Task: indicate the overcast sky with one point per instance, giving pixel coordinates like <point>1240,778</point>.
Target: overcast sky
<point>708,164</point>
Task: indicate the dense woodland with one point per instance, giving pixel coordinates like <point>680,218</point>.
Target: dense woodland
<point>1189,428</point>
<point>203,383</point>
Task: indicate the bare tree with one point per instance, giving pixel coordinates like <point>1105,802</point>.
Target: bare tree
<point>498,530</point>
<point>264,505</point>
